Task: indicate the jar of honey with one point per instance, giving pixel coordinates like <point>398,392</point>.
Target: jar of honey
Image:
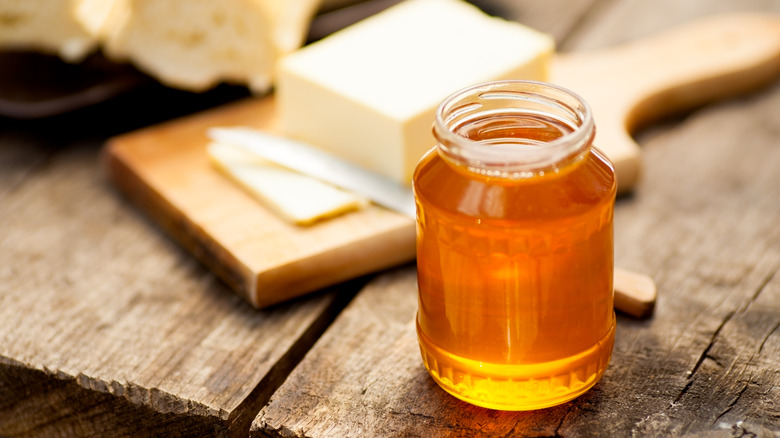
<point>515,247</point>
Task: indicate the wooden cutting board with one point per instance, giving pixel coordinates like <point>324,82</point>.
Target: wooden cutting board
<point>165,171</point>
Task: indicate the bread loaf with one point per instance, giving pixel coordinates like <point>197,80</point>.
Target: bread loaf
<point>196,44</point>
<point>49,26</point>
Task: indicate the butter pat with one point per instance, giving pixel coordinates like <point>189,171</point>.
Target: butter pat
<point>368,93</point>
<point>297,198</point>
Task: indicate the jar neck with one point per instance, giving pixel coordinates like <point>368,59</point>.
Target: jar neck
<point>514,129</point>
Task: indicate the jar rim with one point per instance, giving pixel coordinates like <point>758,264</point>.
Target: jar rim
<point>512,158</point>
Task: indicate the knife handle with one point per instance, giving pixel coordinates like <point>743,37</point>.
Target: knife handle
<point>631,85</point>
<point>635,293</point>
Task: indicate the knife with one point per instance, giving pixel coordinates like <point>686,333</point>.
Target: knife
<point>635,293</point>
<point>316,163</point>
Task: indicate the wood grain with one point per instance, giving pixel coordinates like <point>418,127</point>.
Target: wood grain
<point>703,222</point>
<point>108,328</point>
<point>718,255</point>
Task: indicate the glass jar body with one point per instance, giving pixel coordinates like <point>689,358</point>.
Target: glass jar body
<point>514,266</point>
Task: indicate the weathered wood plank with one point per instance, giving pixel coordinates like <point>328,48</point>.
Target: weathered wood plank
<point>706,362</point>
<point>555,17</point>
<point>18,158</point>
<point>108,328</point>
<point>703,223</point>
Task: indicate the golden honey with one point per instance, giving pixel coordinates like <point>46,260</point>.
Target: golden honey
<point>515,247</point>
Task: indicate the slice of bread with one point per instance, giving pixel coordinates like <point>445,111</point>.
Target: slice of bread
<point>49,26</point>
<point>196,44</point>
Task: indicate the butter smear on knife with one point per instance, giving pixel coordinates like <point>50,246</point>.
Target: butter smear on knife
<point>295,197</point>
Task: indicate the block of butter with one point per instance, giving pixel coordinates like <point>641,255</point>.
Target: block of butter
<point>368,93</point>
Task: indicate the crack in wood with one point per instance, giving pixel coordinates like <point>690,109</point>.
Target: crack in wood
<point>682,393</point>
<point>563,418</point>
<point>706,351</point>
<point>732,404</point>
<point>759,289</point>
<point>415,414</point>
<point>715,336</point>
<point>250,408</point>
<point>766,338</point>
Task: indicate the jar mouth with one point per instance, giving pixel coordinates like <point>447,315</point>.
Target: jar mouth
<point>514,157</point>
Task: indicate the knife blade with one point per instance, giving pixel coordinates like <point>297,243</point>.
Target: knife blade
<point>635,294</point>
<point>316,163</point>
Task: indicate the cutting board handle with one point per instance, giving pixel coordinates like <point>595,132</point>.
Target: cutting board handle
<point>639,82</point>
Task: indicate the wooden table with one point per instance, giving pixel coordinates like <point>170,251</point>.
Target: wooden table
<point>109,328</point>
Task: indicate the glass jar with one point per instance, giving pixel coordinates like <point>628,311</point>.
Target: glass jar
<point>515,247</point>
